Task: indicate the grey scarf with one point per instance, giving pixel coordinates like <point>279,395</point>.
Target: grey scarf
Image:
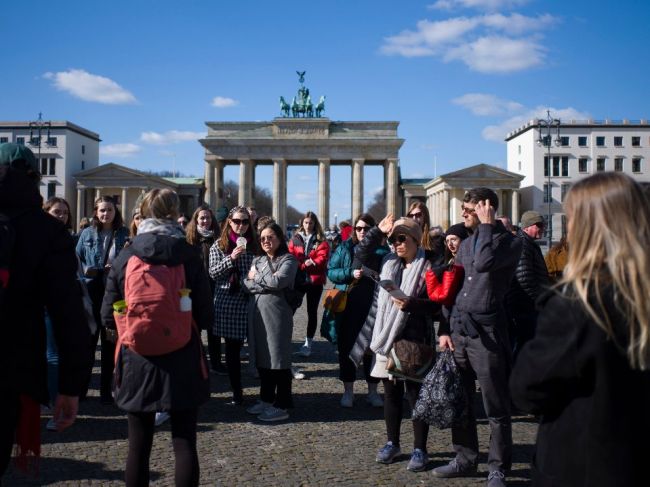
<point>161,227</point>
<point>391,320</point>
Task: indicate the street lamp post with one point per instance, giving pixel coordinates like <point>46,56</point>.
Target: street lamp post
<point>549,125</point>
<point>38,126</point>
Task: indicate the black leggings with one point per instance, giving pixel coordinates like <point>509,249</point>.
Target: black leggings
<point>233,362</point>
<point>393,409</point>
<point>141,429</point>
<point>275,387</point>
<point>313,294</point>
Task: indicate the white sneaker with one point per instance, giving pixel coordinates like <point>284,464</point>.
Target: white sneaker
<point>259,407</point>
<point>297,374</point>
<point>347,399</point>
<point>375,400</point>
<point>51,425</point>
<point>161,417</point>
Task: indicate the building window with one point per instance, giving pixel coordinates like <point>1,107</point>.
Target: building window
<point>556,166</point>
<point>519,149</point>
<point>44,167</point>
<point>558,162</point>
<point>565,189</point>
<point>600,141</point>
<point>51,190</point>
<point>618,141</point>
<point>582,141</point>
<point>51,141</point>
<point>618,164</point>
<point>545,166</point>
<point>546,140</point>
<point>83,149</point>
<point>546,193</point>
<point>565,166</point>
<point>583,164</point>
<point>600,164</point>
<point>565,141</point>
<point>83,165</point>
<point>636,164</point>
<point>636,141</point>
<point>4,140</point>
<point>20,140</point>
<point>52,166</point>
<point>519,165</point>
<point>35,141</point>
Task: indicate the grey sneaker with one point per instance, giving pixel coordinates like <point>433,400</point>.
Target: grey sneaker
<point>388,453</point>
<point>273,414</point>
<point>496,479</point>
<point>454,469</point>
<point>258,407</point>
<point>418,461</point>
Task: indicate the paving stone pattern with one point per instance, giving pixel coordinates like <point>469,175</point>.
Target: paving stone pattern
<point>321,443</point>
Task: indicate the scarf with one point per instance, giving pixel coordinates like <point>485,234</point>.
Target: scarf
<point>205,232</point>
<point>161,227</point>
<point>391,320</point>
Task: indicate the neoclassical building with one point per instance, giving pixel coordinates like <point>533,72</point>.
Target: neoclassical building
<point>301,141</point>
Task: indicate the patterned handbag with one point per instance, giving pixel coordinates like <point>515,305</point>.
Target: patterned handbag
<point>442,401</point>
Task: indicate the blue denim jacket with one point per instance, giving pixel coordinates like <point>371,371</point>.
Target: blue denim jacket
<point>88,248</point>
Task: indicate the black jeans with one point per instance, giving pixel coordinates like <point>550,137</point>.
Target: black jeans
<point>313,295</point>
<point>233,362</point>
<point>393,410</point>
<point>141,429</point>
<point>275,387</point>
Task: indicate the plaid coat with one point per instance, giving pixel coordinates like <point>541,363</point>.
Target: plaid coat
<point>230,305</point>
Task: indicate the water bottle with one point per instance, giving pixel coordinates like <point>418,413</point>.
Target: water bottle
<point>186,301</point>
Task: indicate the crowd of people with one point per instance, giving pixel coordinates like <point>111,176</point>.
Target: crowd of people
<point>565,337</point>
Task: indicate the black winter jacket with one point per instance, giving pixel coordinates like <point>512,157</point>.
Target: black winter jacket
<point>43,274</point>
<point>531,277</point>
<point>175,381</point>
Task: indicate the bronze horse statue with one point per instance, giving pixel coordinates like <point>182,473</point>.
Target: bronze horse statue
<point>284,107</point>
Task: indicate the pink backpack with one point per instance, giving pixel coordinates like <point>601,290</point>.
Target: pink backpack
<point>153,323</point>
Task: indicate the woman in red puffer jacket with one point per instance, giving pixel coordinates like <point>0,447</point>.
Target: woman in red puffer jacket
<point>312,251</point>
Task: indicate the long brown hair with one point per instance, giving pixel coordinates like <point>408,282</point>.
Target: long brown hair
<point>224,240</point>
<point>318,229</point>
<point>53,201</point>
<point>117,221</point>
<point>425,242</point>
<point>192,234</point>
<point>367,219</point>
<point>613,253</point>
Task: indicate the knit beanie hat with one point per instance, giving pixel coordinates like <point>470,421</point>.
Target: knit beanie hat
<point>409,227</point>
<point>459,230</point>
<point>17,156</point>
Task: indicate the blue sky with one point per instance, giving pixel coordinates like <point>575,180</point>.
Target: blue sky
<point>456,74</point>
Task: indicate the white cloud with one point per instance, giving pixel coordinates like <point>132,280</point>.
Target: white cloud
<point>304,196</point>
<point>498,132</point>
<point>493,43</point>
<point>170,137</point>
<point>489,5</point>
<point>485,104</point>
<point>224,102</point>
<point>90,87</point>
<point>119,150</point>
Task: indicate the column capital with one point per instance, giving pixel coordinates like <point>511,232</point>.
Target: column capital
<point>324,160</point>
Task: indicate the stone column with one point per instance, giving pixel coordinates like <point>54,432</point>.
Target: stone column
<point>245,182</point>
<point>126,213</point>
<point>218,184</point>
<point>280,192</point>
<point>357,187</point>
<point>209,197</point>
<point>324,192</point>
<point>444,222</point>
<point>392,188</point>
<point>79,203</point>
<point>98,193</point>
<point>515,207</point>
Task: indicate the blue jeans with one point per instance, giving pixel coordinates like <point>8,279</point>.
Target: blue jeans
<point>52,354</point>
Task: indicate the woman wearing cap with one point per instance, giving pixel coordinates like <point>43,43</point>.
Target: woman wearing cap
<point>586,372</point>
<point>342,329</point>
<point>408,318</point>
<point>230,259</point>
<point>311,249</point>
<point>97,248</point>
<point>201,233</point>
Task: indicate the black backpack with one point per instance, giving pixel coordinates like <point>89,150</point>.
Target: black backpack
<point>7,239</point>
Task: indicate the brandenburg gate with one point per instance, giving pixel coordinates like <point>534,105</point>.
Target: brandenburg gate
<point>306,140</point>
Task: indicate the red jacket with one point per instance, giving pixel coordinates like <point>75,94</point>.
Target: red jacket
<point>319,252</point>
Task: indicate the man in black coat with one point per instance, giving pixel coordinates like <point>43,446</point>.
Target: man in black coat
<point>530,281</point>
<point>42,275</point>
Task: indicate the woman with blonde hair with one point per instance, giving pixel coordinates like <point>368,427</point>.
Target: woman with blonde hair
<point>432,245</point>
<point>587,370</point>
<point>175,382</point>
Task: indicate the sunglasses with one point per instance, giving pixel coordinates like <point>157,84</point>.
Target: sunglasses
<point>415,215</point>
<point>400,239</point>
<point>361,229</point>
<point>237,221</point>
<point>469,211</point>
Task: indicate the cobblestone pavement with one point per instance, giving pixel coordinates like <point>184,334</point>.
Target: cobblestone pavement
<point>321,444</point>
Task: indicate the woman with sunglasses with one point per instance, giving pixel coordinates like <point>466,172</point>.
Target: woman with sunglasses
<point>273,271</point>
<point>311,249</point>
<point>419,212</point>
<point>230,259</point>
<point>409,318</point>
<point>342,329</point>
